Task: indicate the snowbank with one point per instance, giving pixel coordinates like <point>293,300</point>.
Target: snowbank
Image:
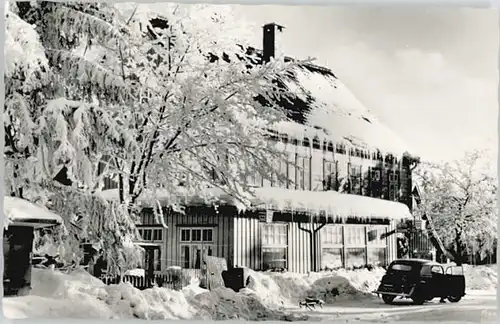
<point>480,277</point>
<point>55,294</point>
<point>267,296</point>
<point>329,286</point>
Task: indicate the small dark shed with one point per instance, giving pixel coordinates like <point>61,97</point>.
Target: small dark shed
<point>21,217</point>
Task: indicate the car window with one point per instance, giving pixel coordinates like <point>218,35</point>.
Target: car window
<point>437,269</point>
<point>455,271</point>
<point>425,271</point>
<point>401,267</point>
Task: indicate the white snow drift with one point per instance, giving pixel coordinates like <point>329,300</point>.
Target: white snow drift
<point>269,296</point>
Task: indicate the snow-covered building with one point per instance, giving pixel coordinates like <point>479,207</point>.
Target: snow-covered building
<point>21,217</point>
<point>351,184</point>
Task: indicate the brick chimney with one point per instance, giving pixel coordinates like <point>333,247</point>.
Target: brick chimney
<point>269,40</point>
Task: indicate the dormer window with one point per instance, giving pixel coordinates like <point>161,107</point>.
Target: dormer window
<point>306,142</point>
<point>316,143</point>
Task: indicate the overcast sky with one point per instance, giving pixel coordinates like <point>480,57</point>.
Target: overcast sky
<point>429,74</point>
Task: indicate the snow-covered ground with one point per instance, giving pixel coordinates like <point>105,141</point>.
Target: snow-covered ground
<point>270,296</point>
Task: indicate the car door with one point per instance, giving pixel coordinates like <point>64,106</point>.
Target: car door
<point>438,285</point>
<point>455,281</point>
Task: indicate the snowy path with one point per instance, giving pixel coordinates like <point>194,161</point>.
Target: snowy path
<point>474,308</point>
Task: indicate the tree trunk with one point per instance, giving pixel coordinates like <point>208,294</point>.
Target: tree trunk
<point>459,250</point>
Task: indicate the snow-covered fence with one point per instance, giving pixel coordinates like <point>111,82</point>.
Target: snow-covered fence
<point>175,281</point>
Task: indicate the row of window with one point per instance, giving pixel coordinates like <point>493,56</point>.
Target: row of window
<point>330,147</point>
<point>341,246</point>
<point>299,174</point>
<point>150,234</point>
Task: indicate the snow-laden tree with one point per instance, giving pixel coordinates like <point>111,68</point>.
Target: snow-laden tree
<point>460,196</point>
<point>171,101</point>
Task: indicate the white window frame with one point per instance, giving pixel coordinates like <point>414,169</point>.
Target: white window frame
<point>281,166</point>
<point>345,245</point>
<point>194,245</point>
<point>356,176</point>
<point>153,230</point>
<point>273,245</point>
<point>331,230</point>
<point>332,173</point>
<point>384,244</point>
<point>303,169</point>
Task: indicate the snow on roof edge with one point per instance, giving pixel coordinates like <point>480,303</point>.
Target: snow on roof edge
<point>332,203</point>
<point>21,210</point>
<point>335,205</point>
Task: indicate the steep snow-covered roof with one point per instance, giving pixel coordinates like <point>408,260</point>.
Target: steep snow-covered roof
<point>325,107</point>
<point>17,210</point>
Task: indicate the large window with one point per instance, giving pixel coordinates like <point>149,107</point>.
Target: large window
<point>393,185</point>
<point>377,245</point>
<point>151,234</point>
<point>274,246</point>
<point>329,175</point>
<point>355,179</point>
<point>195,243</point>
<point>376,182</point>
<point>331,247</point>
<point>302,173</point>
<point>152,258</point>
<point>255,180</point>
<point>353,246</point>
<point>280,179</point>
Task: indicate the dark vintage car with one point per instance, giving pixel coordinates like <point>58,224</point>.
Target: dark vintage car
<point>421,281</point>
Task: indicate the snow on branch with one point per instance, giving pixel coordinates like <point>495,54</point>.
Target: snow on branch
<point>460,196</point>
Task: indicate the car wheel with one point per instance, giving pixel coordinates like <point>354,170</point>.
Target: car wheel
<point>454,299</point>
<point>418,300</point>
<point>388,299</point>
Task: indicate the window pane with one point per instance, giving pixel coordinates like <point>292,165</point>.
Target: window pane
<point>355,257</point>
<point>157,259</point>
<point>355,235</point>
<point>185,256</point>
<point>307,174</point>
<point>157,235</point>
<point>196,235</point>
<point>148,234</point>
<point>197,257</point>
<point>207,235</point>
<point>274,258</point>
<point>185,235</point>
<point>283,173</point>
<point>331,258</point>
<point>274,234</point>
<point>401,267</point>
<point>332,234</point>
<point>376,235</point>
<point>377,256</point>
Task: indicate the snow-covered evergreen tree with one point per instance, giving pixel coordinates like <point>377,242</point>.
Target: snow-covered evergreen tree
<point>460,196</point>
<point>168,99</point>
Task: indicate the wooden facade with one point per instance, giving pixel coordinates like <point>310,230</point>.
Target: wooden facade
<point>178,248</point>
<point>241,239</point>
